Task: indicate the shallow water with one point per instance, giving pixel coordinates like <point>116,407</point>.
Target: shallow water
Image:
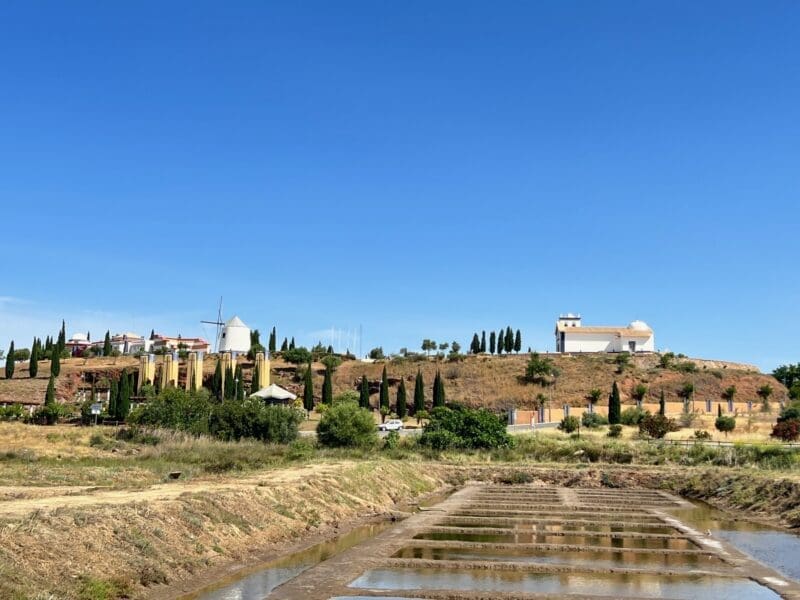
<point>647,586</point>
<point>602,559</point>
<point>256,582</point>
<point>564,526</point>
<point>581,540</point>
<point>769,545</point>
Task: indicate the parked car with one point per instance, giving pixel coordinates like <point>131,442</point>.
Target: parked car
<point>391,425</point>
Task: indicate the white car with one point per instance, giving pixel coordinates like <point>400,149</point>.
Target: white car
<point>391,425</point>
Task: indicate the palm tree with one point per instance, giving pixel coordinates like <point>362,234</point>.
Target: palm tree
<point>764,392</point>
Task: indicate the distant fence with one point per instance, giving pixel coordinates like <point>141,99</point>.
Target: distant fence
<point>554,414</point>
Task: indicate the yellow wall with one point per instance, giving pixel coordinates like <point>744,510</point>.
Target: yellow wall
<point>147,371</point>
<point>262,363</point>
<point>194,371</point>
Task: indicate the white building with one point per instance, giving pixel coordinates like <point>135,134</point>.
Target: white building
<point>571,336</point>
<point>235,336</point>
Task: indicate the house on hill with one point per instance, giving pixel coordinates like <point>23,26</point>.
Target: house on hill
<point>572,336</point>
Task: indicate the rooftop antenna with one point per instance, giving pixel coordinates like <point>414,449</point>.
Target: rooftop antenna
<point>219,325</point>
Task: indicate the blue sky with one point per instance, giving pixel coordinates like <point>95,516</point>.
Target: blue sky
<point>419,169</point>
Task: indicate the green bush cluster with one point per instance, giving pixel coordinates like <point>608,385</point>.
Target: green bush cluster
<point>569,424</point>
<point>197,413</point>
<point>346,425</point>
<point>657,426</point>
<point>593,420</point>
<point>460,427</point>
<point>632,416</point>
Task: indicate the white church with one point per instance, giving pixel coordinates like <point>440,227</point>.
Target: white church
<point>572,336</point>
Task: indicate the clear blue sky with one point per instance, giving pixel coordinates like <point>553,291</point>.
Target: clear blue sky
<point>421,169</point>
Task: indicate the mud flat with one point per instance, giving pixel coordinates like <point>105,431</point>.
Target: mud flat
<point>498,541</point>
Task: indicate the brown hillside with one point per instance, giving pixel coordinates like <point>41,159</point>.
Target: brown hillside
<point>497,381</point>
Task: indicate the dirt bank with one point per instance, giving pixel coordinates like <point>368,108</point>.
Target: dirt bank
<point>107,549</point>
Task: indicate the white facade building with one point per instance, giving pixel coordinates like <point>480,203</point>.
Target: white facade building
<point>235,336</point>
<point>572,336</point>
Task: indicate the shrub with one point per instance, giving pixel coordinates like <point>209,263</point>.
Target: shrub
<point>725,424</point>
<point>788,430</point>
<point>686,366</point>
<point>569,424</point>
<point>347,425</point>
<point>657,426</point>
<point>297,356</point>
<point>15,412</point>
<point>175,408</point>
<point>391,441</point>
<point>234,420</point>
<point>471,428</point>
<point>702,434</point>
<point>615,431</point>
<point>593,420</point>
<point>632,416</point>
<point>441,439</point>
<point>538,369</point>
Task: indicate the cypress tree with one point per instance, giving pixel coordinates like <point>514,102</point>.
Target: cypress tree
<point>509,340</point>
<point>400,406</point>
<point>492,342</point>
<point>475,346</point>
<point>438,391</point>
<point>239,383</point>
<point>254,377</point>
<point>272,341</point>
<point>230,384</point>
<point>10,364</point>
<point>152,334</point>
<point>33,364</point>
<point>662,405</point>
<point>719,410</point>
<point>291,344</point>
<point>50,394</point>
<point>483,341</point>
<point>308,389</point>
<point>363,396</point>
<point>500,342</point>
<point>384,389</point>
<point>55,363</point>
<point>113,395</point>
<point>614,406</point>
<point>123,405</point>
<point>327,387</point>
<point>419,393</point>
<point>518,342</point>
<point>107,344</point>
<point>216,381</point>
<point>285,345</point>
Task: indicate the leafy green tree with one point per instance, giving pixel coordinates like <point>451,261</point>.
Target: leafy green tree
<point>456,348</point>
<point>725,424</point>
<point>475,346</point>
<point>594,395</point>
<point>461,427</point>
<point>419,393</point>
<point>492,342</point>
<point>363,396</point>
<point>569,424</point>
<point>538,369</point>
<point>327,387</point>
<point>308,389</point>
<point>107,344</point>
<point>639,392</point>
<point>33,364</point>
<point>614,408</point>
<point>729,393</point>
<point>55,363</point>
<point>687,393</point>
<point>657,426</point>
<point>10,364</point>
<point>509,340</point>
<point>483,341</point>
<point>384,394</point>
<point>400,406</point>
<point>297,356</point>
<point>428,345</point>
<point>347,425</point>
<point>764,392</point>
<point>518,341</point>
